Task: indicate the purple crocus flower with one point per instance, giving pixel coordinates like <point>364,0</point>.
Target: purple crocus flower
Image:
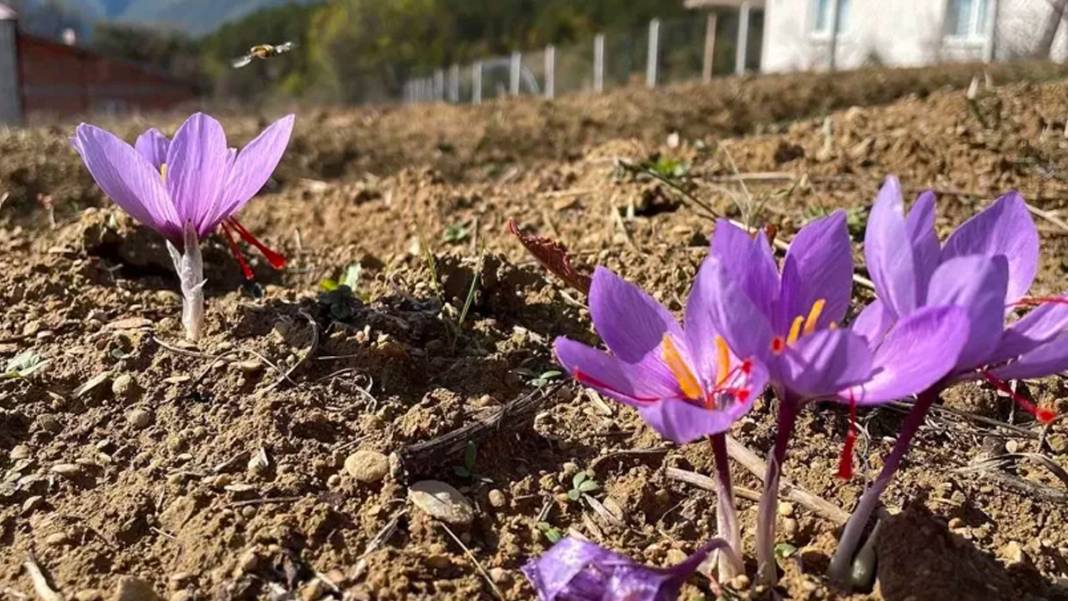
<point>684,381</point>
<point>986,267</point>
<point>185,188</point>
<point>789,320</point>
<point>577,570</point>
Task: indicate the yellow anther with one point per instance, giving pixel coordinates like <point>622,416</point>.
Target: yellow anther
<point>795,331</point>
<point>723,361</point>
<point>814,315</point>
<point>163,172</point>
<point>687,382</point>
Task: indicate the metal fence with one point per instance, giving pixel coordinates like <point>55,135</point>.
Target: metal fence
<point>664,52</point>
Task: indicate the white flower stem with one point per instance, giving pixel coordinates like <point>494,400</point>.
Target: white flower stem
<point>190,267</point>
<point>726,517</point>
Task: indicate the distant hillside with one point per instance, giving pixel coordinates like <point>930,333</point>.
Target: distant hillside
<point>195,17</point>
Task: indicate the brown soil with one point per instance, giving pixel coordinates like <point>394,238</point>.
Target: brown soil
<point>218,471</point>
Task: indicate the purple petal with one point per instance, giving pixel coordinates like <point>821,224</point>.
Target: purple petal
<point>576,570</point>
<point>822,262</point>
<point>977,284</point>
<point>125,176</point>
<point>888,251</point>
<point>825,362</point>
<point>1036,328</point>
<point>1046,360</point>
<point>873,322</point>
<point>918,352</point>
<point>196,167</point>
<point>749,260</point>
<point>153,146</point>
<point>741,323</point>
<point>926,250</point>
<point>1005,228</point>
<point>633,384</point>
<point>553,572</point>
<point>252,168</point>
<point>630,322</point>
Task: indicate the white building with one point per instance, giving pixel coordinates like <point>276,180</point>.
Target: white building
<point>10,96</point>
<point>800,34</point>
<point>805,34</point>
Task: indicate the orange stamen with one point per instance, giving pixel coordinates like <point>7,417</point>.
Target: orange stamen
<point>723,361</point>
<point>275,259</point>
<point>1042,414</point>
<point>845,461</point>
<point>814,315</point>
<point>688,384</point>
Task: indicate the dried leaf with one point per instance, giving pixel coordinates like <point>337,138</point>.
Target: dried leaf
<point>554,257</point>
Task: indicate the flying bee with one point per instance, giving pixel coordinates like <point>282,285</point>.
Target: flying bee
<point>263,52</point>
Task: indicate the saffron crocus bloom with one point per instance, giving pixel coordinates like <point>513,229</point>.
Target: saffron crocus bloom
<point>788,321</point>
<point>682,380</point>
<point>985,267</point>
<point>576,570</point>
<point>185,188</point>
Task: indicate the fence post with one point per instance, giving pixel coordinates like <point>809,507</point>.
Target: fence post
<point>439,85</point>
<point>710,47</point>
<point>516,64</point>
<point>598,62</point>
<point>742,49</point>
<point>654,50</point>
<point>836,24</point>
<point>550,71</point>
<point>476,83</point>
<point>454,83</point>
<point>990,43</point>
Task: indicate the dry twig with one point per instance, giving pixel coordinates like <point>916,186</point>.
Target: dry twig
<point>40,582</point>
<point>474,560</point>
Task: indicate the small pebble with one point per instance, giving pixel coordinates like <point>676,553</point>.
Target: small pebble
<point>367,466</point>
<point>131,588</point>
<point>57,539</point>
<point>497,498</point>
<point>442,501</point>
<point>956,523</point>
<point>67,470</point>
<point>19,451</point>
<point>89,594</point>
<point>789,526</point>
<point>49,423</point>
<point>438,562</point>
<point>675,556</point>
<point>140,418</point>
<point>499,575</point>
<point>1014,555</point>
<point>124,387</point>
<point>740,582</point>
<point>250,366</point>
<point>786,509</point>
<point>1012,446</point>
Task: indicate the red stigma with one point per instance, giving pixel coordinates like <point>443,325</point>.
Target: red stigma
<point>742,395</point>
<point>275,259</point>
<point>236,251</point>
<point>778,344</point>
<point>747,367</point>
<point>845,461</point>
<point>585,379</point>
<point>1044,415</point>
<point>1037,301</point>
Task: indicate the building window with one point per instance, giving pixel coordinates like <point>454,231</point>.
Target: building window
<point>823,16</point>
<point>966,19</point>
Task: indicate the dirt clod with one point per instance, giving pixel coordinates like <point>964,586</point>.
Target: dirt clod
<point>367,466</point>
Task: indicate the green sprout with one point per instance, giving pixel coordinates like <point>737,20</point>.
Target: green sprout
<point>668,167</point>
<point>455,233</point>
<point>784,551</point>
<point>582,483</point>
<point>467,470</point>
<point>23,365</point>
<point>551,533</point>
<point>539,380</point>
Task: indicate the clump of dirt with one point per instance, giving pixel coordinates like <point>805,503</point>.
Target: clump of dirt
<point>275,457</point>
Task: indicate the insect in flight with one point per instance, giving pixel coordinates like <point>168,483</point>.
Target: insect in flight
<point>262,52</point>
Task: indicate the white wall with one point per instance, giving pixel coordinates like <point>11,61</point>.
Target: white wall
<point>896,32</point>
<point>10,101</point>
